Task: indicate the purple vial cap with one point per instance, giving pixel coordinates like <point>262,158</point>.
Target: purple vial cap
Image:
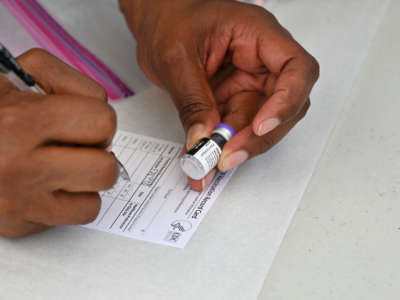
<point>226,126</point>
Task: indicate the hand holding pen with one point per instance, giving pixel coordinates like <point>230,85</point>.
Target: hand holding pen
<point>53,157</point>
<point>25,82</point>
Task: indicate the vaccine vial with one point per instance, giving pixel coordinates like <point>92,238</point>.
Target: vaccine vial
<point>204,156</point>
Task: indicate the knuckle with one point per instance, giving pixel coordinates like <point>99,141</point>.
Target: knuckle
<point>193,104</point>
<point>173,53</point>
<point>35,54</point>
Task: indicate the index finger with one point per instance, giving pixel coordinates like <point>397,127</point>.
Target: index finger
<point>290,85</point>
<point>56,77</point>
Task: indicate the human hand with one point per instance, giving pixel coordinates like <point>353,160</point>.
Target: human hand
<point>52,148</point>
<point>184,44</point>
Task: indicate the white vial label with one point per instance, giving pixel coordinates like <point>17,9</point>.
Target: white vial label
<point>208,155</point>
<point>201,159</point>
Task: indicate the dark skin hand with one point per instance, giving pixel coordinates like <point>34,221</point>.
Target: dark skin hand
<point>222,60</point>
<point>53,160</point>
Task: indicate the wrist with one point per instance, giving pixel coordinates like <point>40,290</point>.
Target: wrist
<point>141,14</point>
<point>133,11</point>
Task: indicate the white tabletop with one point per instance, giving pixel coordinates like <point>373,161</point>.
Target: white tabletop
<point>344,241</point>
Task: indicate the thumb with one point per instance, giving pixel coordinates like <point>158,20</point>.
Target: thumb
<point>193,98</point>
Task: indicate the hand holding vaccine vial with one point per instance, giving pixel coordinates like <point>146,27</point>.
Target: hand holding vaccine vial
<point>204,156</point>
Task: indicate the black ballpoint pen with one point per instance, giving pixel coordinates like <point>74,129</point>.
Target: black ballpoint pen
<point>11,69</point>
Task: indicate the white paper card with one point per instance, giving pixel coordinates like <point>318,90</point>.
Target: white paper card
<point>158,204</point>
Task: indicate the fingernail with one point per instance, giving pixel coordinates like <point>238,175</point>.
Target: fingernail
<point>207,180</point>
<point>234,159</point>
<point>267,126</point>
<point>194,134</point>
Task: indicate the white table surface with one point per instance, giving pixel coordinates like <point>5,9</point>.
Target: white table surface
<point>344,239</point>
